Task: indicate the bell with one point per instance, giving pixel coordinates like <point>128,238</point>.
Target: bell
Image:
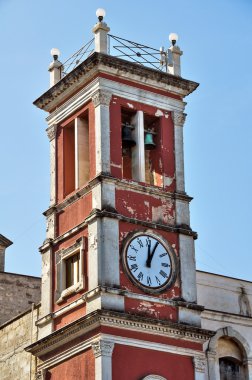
<point>127,140</point>
<point>148,141</point>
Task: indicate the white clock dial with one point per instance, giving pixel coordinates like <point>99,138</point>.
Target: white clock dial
<point>149,262</point>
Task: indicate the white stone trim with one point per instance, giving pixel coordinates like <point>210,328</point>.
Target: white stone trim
<point>62,292</point>
<point>154,377</point>
<point>187,268</point>
<point>179,119</point>
<point>101,100</point>
<point>138,151</point>
<point>103,350</point>
<point>117,89</point>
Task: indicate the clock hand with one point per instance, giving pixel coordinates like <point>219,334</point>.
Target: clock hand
<point>150,255</point>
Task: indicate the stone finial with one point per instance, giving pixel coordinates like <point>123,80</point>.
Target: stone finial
<point>55,67</point>
<point>4,243</point>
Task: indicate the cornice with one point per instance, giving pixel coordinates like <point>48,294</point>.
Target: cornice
<point>121,183</point>
<point>117,320</point>
<point>4,242</point>
<point>96,63</point>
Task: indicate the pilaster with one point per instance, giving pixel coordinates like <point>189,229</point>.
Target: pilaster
<point>103,351</point>
<point>199,367</point>
<point>178,120</point>
<point>101,100</point>
<point>51,133</point>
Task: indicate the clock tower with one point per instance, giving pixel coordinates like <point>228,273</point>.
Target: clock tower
<point>118,268</point>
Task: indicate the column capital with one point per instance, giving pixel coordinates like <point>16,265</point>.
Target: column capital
<point>51,131</point>
<point>40,375</point>
<point>102,348</point>
<point>101,97</point>
<point>179,118</point>
<point>199,363</point>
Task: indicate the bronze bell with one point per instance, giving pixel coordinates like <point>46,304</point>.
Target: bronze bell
<point>127,140</point>
<point>148,141</point>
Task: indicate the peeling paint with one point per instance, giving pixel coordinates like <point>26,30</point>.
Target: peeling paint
<point>159,113</point>
<point>168,180</point>
<point>130,105</point>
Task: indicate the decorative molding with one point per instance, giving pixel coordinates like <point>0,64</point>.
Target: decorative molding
<point>199,364</point>
<point>179,118</point>
<point>122,321</point>
<point>51,131</point>
<point>91,66</point>
<point>102,348</point>
<point>101,97</point>
<point>154,377</point>
<point>41,375</point>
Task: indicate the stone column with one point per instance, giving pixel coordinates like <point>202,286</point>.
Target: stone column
<point>101,100</point>
<point>248,364</point>
<point>213,365</point>
<point>199,367</point>
<point>138,152</point>
<point>103,351</point>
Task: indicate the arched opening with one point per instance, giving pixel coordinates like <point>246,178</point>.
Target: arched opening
<point>231,358</point>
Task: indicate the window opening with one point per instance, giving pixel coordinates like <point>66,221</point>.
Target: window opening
<point>76,154</point>
<point>230,369</point>
<point>72,270</point>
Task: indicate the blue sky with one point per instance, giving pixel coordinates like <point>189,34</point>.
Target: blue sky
<point>215,37</point>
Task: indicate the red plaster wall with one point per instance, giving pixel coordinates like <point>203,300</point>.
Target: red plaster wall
<point>150,309</point>
<point>71,316</point>
<point>131,363</point>
<point>80,367</point>
<point>145,207</point>
<point>152,338</point>
<point>74,214</point>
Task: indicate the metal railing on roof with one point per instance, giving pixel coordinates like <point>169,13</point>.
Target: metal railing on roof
<point>121,48</point>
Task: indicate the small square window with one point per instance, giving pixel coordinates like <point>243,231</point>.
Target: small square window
<point>70,271</point>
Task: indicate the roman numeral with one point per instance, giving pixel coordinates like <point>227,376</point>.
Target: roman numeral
<point>149,281</point>
<point>132,247</point>
<point>163,254</point>
<point>140,243</point>
<point>158,281</point>
<point>165,265</point>
<point>163,274</point>
<point>132,258</point>
<point>148,242</point>
<point>140,276</point>
<point>134,267</point>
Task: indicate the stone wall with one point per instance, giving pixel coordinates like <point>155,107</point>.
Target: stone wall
<point>15,362</point>
<point>17,293</point>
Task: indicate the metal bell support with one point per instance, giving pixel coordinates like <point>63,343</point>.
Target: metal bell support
<point>148,141</point>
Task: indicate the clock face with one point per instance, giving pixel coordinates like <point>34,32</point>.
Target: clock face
<point>149,262</point>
